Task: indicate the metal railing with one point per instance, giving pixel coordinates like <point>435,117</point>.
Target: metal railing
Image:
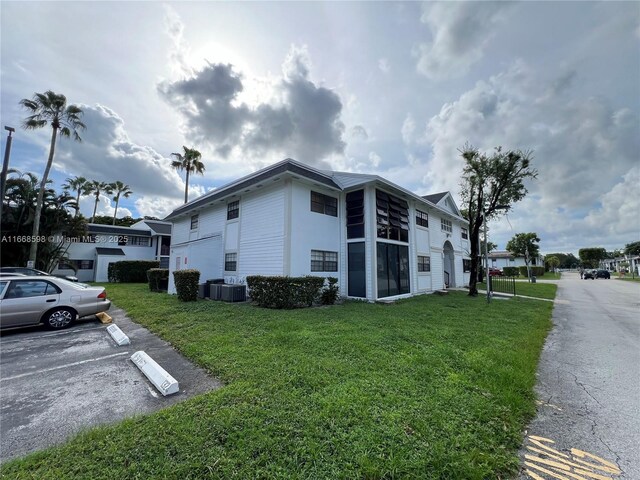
<point>499,284</point>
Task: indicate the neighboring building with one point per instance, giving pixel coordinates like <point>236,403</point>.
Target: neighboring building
<point>500,259</point>
<point>104,244</point>
<point>616,264</point>
<point>378,239</point>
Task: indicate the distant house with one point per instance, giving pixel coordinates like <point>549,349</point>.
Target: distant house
<point>104,244</point>
<point>616,264</point>
<point>500,259</point>
<point>378,239</point>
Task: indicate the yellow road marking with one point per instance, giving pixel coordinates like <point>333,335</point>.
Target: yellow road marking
<point>549,472</point>
<point>581,454</point>
<point>551,463</point>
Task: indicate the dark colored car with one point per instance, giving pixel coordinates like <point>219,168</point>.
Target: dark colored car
<point>494,272</point>
<point>33,271</point>
<point>588,274</point>
<point>603,274</point>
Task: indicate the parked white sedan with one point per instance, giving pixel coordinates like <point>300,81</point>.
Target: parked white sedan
<point>56,302</point>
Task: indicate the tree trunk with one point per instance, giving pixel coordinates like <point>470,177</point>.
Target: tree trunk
<point>95,208</point>
<point>77,203</point>
<point>186,187</point>
<point>474,239</point>
<point>116,210</point>
<point>33,250</point>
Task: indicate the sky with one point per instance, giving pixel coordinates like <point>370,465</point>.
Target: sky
<point>394,89</point>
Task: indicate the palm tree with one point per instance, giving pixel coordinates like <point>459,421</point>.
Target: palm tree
<point>79,186</point>
<point>190,162</point>
<point>96,188</point>
<point>50,108</point>
<point>121,190</point>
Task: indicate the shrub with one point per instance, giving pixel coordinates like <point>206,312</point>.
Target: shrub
<point>187,284</point>
<point>158,279</point>
<point>284,292</point>
<point>535,271</point>
<point>329,293</point>
<point>510,271</point>
<point>130,271</point>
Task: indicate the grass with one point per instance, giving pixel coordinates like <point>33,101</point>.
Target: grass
<point>536,290</point>
<point>627,279</point>
<point>550,276</point>
<point>429,387</point>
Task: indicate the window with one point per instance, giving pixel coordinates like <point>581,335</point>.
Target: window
<point>356,279</point>
<point>63,265</point>
<point>233,210</point>
<point>194,221</point>
<point>139,241</point>
<point>465,233</point>
<point>31,288</point>
<point>393,269</point>
<point>324,204</point>
<point>424,263</point>
<point>392,217</point>
<point>324,261</point>
<point>446,225</point>
<point>422,219</point>
<point>230,262</point>
<point>466,265</point>
<point>84,264</point>
<point>355,214</point>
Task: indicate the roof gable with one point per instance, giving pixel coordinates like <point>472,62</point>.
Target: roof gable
<point>445,201</point>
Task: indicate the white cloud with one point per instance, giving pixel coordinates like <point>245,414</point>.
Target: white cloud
<point>383,65</point>
<point>408,129</point>
<point>374,159</point>
<point>461,32</point>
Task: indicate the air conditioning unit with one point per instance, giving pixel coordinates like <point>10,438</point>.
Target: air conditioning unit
<point>203,290</point>
<point>233,293</point>
<point>215,291</point>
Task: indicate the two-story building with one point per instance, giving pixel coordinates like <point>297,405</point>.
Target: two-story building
<point>378,239</point>
<point>104,244</point>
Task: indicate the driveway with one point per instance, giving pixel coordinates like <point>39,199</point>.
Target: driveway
<point>588,420</point>
<point>53,384</point>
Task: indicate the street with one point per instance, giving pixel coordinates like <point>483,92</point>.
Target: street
<point>588,420</point>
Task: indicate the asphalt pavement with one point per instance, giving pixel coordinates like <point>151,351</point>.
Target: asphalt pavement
<point>55,383</point>
<point>588,420</point>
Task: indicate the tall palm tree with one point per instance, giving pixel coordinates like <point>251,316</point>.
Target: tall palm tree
<point>79,186</point>
<point>190,162</point>
<point>51,109</point>
<point>95,188</point>
<point>120,189</point>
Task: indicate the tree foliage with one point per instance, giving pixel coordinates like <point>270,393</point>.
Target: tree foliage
<point>632,248</point>
<point>51,109</point>
<point>552,262</point>
<point>121,190</point>
<point>490,185</point>
<point>567,260</point>
<point>591,257</point>
<point>188,161</point>
<point>524,245</point>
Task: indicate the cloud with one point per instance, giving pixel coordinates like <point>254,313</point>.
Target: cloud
<point>383,65</point>
<point>358,132</point>
<point>582,148</point>
<point>408,129</point>
<point>374,159</point>
<point>461,32</point>
<point>107,154</point>
<point>301,120</point>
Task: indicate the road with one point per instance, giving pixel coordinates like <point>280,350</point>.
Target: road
<point>588,420</point>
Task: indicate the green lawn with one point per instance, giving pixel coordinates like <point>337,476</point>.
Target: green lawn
<point>429,387</point>
<point>537,290</point>
<point>626,278</point>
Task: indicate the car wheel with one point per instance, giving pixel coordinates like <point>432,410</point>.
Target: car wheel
<point>59,318</point>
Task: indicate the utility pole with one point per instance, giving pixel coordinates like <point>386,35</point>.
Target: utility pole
<point>5,167</point>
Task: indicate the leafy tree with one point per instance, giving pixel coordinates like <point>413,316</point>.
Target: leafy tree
<point>489,187</point>
<point>51,109</point>
<point>592,256</point>
<point>120,222</point>
<point>121,190</point>
<point>78,185</point>
<point>632,248</point>
<point>95,188</point>
<point>524,245</point>
<point>189,162</point>
<point>552,261</point>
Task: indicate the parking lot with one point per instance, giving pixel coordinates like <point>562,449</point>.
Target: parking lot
<point>56,383</point>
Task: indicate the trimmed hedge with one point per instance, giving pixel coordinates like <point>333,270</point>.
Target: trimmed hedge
<point>130,271</point>
<point>535,271</point>
<point>284,292</point>
<point>187,284</point>
<point>158,279</point>
<point>511,271</point>
<point>330,292</point>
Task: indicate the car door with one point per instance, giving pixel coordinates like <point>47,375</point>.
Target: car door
<point>25,301</point>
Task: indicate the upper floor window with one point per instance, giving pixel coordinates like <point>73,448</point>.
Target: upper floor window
<point>392,217</point>
<point>324,204</point>
<point>324,261</point>
<point>465,233</point>
<point>233,210</point>
<point>422,219</point>
<point>138,241</point>
<point>194,221</point>
<point>446,225</point>
<point>355,214</point>
<point>230,262</point>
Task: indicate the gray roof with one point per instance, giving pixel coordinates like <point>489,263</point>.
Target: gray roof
<point>109,251</point>
<point>112,230</point>
<point>435,197</point>
<point>158,227</point>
